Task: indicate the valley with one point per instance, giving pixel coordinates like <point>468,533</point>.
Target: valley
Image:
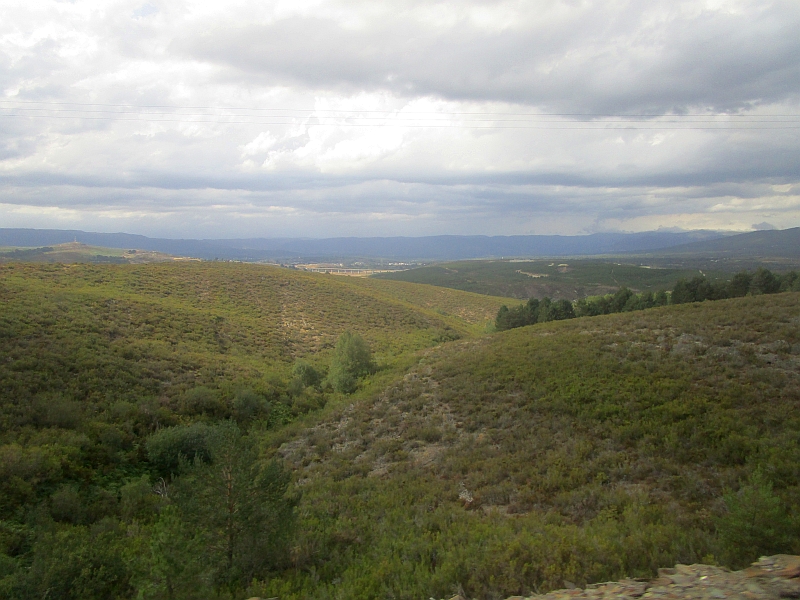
<point>452,458</point>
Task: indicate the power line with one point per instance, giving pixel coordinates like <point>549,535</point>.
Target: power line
<point>617,126</point>
<point>389,118</point>
<point>392,111</point>
<point>402,116</point>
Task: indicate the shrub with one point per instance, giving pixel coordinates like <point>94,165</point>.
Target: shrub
<point>341,380</point>
<point>138,501</point>
<point>248,406</point>
<point>168,447</point>
<point>66,505</point>
<point>755,522</point>
<point>306,374</point>
<point>352,359</point>
<point>203,401</point>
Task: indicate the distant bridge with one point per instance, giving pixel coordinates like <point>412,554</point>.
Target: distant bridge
<point>353,272</point>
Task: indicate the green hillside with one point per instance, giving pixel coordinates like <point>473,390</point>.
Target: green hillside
<point>76,252</point>
<point>559,278</point>
<point>111,375</point>
<point>177,430</point>
<point>472,308</point>
<point>583,450</point>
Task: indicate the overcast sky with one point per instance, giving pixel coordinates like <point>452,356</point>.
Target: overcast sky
<point>330,118</point>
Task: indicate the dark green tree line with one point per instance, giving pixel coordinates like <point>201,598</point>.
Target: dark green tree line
<point>697,289</point>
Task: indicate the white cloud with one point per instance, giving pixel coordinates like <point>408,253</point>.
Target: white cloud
<point>348,117</point>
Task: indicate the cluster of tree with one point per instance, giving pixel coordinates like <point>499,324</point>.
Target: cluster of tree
<point>22,254</point>
<point>209,518</point>
<point>762,281</point>
<point>306,391</point>
<point>624,300</point>
<point>697,289</point>
<point>160,499</point>
<point>351,360</point>
<point>535,311</point>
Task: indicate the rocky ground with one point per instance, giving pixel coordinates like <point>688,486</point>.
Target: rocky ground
<point>770,578</point>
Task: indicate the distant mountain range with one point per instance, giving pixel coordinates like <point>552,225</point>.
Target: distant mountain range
<point>782,243</point>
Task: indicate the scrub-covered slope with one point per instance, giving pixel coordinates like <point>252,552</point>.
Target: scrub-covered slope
<point>99,356</point>
<point>561,278</point>
<point>584,450</point>
<point>128,391</point>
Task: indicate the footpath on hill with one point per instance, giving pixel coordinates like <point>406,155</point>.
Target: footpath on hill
<point>772,578</point>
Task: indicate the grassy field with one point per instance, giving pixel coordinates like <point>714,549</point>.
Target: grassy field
<point>584,450</point>
<point>556,279</point>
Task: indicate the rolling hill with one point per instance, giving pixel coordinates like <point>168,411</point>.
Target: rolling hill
<point>73,252</point>
<point>203,319</point>
<point>583,450</point>
<point>522,279</point>
<point>580,450</point>
<point>782,243</point>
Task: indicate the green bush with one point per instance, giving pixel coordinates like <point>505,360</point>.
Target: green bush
<point>249,406</point>
<point>66,505</point>
<point>203,401</point>
<point>306,374</point>
<point>352,358</point>
<point>169,447</point>
<point>138,500</point>
<point>755,523</point>
<point>80,563</point>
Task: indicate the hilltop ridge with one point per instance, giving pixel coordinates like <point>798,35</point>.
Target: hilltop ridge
<point>436,247</point>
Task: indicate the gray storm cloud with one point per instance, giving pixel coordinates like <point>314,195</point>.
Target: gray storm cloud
<point>388,118</point>
<point>598,57</point>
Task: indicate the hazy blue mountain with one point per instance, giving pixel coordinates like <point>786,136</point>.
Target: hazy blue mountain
<point>781,243</point>
<point>443,247</point>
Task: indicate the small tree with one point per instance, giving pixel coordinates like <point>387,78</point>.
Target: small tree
<point>352,359</point>
<point>740,284</point>
<point>305,373</point>
<point>682,293</point>
<point>172,564</point>
<point>561,309</point>
<point>239,509</point>
<point>620,299</point>
<point>764,282</point>
<point>755,522</point>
